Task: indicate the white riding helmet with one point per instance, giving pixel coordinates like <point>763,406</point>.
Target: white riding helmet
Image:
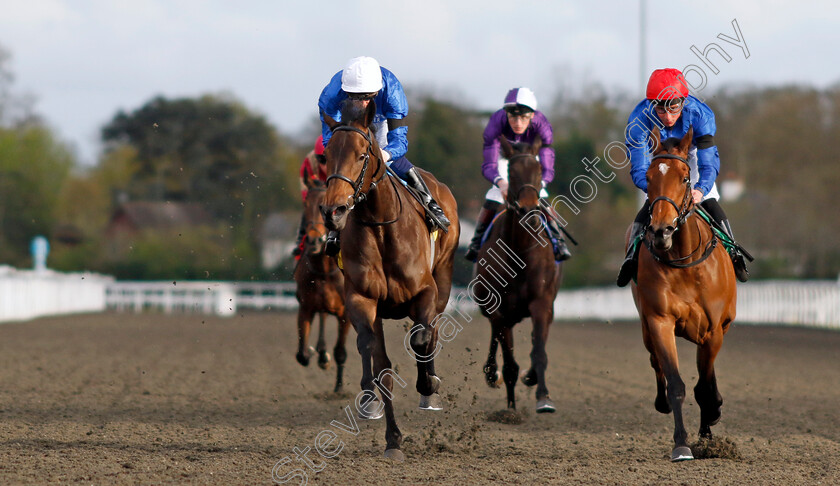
<point>521,96</point>
<point>362,75</point>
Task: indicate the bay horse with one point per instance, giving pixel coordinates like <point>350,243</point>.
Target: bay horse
<point>685,287</point>
<point>392,268</point>
<point>320,288</point>
<point>516,264</point>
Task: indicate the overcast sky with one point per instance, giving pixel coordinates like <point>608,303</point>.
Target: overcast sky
<point>84,60</point>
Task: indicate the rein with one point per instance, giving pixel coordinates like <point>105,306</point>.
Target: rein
<point>359,196</point>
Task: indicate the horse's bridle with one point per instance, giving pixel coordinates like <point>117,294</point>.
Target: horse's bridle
<point>358,195</point>
<point>684,209</point>
<point>515,205</point>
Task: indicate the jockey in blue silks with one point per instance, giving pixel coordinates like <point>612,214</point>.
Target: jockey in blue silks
<point>360,82</point>
<point>669,105</point>
<point>519,122</point>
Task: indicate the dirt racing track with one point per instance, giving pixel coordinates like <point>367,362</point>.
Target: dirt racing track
<point>154,399</point>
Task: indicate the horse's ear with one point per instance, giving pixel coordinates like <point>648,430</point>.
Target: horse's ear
<point>329,121</point>
<point>507,148</point>
<point>370,113</point>
<point>655,140</point>
<point>537,145</point>
<point>685,143</point>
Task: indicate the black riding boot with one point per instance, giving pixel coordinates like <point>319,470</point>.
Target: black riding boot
<point>417,183</point>
<point>333,245</point>
<point>561,251</point>
<point>485,217</point>
<point>631,260</point>
<point>301,231</point>
<point>737,257</point>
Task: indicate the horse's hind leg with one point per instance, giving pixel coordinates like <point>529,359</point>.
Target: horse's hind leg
<point>304,324</point>
<point>661,403</point>
<point>340,352</point>
<point>665,347</point>
<point>706,392</point>
<point>491,369</point>
<point>423,340</point>
<point>323,355</point>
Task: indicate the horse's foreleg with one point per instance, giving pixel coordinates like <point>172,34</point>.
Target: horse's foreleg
<point>340,352</point>
<point>541,317</point>
<point>385,377</point>
<point>304,324</point>
<point>362,313</point>
<point>323,355</point>
<point>491,369</point>
<point>706,392</point>
<point>665,347</point>
<point>661,403</point>
<point>510,370</point>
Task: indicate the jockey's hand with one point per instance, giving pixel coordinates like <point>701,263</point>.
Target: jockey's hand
<point>503,186</point>
<point>697,196</point>
<point>386,156</point>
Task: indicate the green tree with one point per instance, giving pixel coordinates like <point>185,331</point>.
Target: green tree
<point>446,140</point>
<point>211,150</point>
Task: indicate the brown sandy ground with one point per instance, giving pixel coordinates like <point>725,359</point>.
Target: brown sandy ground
<point>154,399</point>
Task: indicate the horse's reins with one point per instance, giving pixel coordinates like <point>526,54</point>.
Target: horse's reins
<point>683,212</point>
<point>358,195</point>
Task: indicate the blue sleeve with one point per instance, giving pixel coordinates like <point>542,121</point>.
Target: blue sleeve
<point>394,107</point>
<point>636,138</point>
<point>708,159</point>
<point>330,103</point>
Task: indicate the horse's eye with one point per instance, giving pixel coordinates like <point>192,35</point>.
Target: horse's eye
<point>686,180</point>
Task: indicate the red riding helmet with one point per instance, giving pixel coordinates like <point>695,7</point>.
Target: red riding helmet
<point>666,84</point>
<point>319,145</point>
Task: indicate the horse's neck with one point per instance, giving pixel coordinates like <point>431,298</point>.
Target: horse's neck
<point>514,231</point>
<point>381,204</point>
<point>687,238</point>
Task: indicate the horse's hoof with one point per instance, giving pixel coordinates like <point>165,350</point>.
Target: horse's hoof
<point>681,453</point>
<point>372,410</point>
<point>495,380</point>
<point>528,378</point>
<point>431,402</point>
<point>545,406</point>
<point>324,361</point>
<point>394,455</point>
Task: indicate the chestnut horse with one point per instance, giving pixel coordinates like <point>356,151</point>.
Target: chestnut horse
<point>518,276</point>
<point>392,268</point>
<point>320,288</point>
<point>685,287</point>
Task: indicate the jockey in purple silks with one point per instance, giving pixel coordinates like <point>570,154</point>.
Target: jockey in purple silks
<point>519,122</point>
